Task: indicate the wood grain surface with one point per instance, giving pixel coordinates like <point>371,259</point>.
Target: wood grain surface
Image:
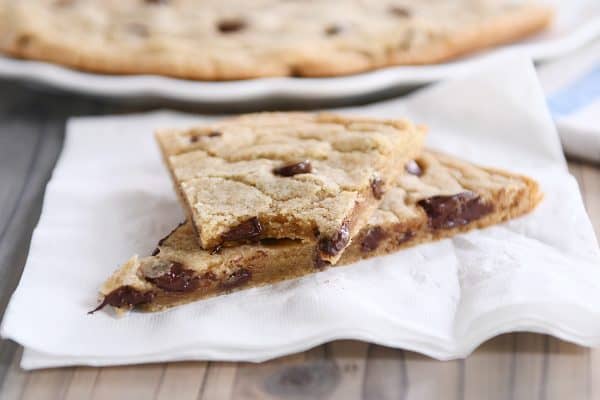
<point>512,366</point>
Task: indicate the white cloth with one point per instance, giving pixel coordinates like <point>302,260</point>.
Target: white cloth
<point>572,85</point>
<point>110,197</point>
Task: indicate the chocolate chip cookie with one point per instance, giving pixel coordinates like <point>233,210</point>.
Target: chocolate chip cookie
<point>439,196</point>
<point>314,178</point>
<point>233,39</point>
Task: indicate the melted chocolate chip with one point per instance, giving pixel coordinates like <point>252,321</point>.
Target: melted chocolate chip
<point>377,188</point>
<point>155,251</point>
<point>125,296</point>
<point>215,134</point>
<point>302,167</point>
<point>334,29</point>
<point>413,168</point>
<point>194,138</point>
<point>399,11</point>
<point>236,279</point>
<point>231,25</point>
<point>447,212</point>
<point>176,279</point>
<point>333,245</point>
<point>248,229</point>
<point>372,239</point>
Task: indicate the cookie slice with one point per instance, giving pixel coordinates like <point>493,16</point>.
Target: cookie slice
<point>232,39</point>
<point>314,178</point>
<point>438,198</point>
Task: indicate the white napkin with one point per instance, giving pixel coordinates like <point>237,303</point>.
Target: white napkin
<point>110,197</point>
<point>572,85</point>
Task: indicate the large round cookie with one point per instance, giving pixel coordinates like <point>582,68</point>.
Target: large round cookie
<point>240,39</point>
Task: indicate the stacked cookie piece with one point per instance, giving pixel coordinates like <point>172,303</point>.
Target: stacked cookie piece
<point>275,196</point>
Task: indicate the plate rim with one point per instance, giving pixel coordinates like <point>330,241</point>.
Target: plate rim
<point>154,86</point>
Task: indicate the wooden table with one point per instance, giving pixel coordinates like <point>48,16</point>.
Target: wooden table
<point>513,366</point>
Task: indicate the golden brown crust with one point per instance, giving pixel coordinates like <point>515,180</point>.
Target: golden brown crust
<point>410,43</point>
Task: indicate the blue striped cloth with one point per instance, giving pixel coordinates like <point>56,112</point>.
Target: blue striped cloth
<point>580,93</point>
<point>572,85</point>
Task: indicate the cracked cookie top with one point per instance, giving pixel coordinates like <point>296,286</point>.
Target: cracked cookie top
<point>286,175</point>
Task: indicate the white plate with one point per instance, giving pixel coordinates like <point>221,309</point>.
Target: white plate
<point>577,22</point>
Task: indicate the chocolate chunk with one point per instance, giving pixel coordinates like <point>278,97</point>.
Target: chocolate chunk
<point>215,134</point>
<point>372,239</point>
<point>194,138</point>
<point>272,242</point>
<point>413,168</point>
<point>377,188</point>
<point>176,279</point>
<point>334,29</point>
<point>155,251</point>
<point>333,245</point>
<point>447,212</point>
<point>248,229</point>
<point>236,279</point>
<point>302,167</point>
<point>125,296</point>
<point>231,25</point>
<point>399,11</point>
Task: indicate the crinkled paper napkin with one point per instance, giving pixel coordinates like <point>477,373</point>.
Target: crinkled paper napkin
<point>110,197</point>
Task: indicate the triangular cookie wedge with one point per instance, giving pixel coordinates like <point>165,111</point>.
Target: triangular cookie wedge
<point>311,177</point>
<point>439,197</point>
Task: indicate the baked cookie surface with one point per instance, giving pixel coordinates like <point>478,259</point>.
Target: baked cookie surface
<point>439,197</point>
<point>315,178</point>
<point>236,39</point>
